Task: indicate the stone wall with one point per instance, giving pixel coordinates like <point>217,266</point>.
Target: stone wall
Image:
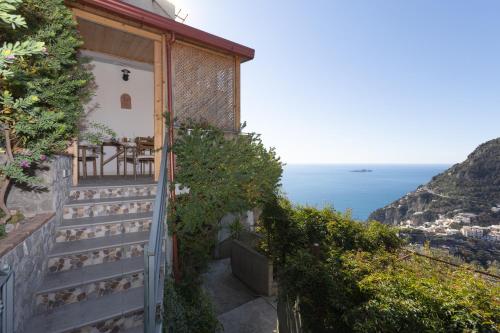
<point>52,193</point>
<point>25,250</point>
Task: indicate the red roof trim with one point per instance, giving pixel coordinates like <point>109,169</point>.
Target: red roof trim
<point>163,23</point>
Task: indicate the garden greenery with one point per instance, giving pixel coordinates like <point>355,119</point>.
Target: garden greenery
<point>356,277</point>
<point>188,309</point>
<point>217,175</point>
<point>96,133</point>
<point>43,85</point>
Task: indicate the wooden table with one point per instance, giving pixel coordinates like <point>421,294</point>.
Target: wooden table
<point>121,151</point>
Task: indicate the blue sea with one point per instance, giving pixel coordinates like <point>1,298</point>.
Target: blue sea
<point>362,192</point>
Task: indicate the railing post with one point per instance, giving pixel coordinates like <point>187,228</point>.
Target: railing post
<point>153,251</point>
<point>146,293</point>
<point>7,306</point>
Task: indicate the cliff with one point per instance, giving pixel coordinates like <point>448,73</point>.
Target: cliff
<point>468,192</point>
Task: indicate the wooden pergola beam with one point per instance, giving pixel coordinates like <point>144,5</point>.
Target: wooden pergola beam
<point>79,13</point>
<point>237,94</point>
<point>158,106</point>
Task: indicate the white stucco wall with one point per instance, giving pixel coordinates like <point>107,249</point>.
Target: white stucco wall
<point>105,106</point>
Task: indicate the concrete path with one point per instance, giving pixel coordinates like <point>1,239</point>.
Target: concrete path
<point>252,317</point>
<point>238,309</point>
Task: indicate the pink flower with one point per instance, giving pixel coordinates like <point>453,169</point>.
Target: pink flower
<point>43,157</point>
<point>25,164</point>
<point>10,57</point>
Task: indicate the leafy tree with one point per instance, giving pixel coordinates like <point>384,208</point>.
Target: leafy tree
<point>356,277</point>
<point>7,15</point>
<point>220,175</point>
<point>12,106</point>
<point>43,86</point>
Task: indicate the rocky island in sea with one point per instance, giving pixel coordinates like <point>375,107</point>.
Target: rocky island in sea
<point>458,209</point>
<point>362,170</point>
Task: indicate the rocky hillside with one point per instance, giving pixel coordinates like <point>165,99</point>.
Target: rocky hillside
<point>468,190</point>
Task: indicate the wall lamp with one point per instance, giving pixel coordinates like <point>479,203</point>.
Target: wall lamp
<point>126,74</point>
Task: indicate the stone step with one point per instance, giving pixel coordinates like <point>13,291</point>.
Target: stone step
<point>94,251</point>
<point>109,206</point>
<point>90,282</point>
<point>106,192</point>
<point>112,313</point>
<point>102,226</point>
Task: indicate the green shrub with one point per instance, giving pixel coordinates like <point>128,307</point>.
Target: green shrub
<point>222,175</point>
<point>356,277</point>
<point>96,133</point>
<point>418,295</point>
<point>188,309</point>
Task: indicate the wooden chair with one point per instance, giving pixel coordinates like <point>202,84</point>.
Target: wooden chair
<point>145,153</point>
<point>129,156</point>
<point>88,153</point>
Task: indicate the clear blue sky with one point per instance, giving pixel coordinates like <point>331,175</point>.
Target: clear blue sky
<point>376,81</point>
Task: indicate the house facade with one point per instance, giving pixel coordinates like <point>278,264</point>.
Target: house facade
<point>95,260</point>
<point>172,67</point>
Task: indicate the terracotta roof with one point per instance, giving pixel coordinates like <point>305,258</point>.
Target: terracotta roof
<point>157,21</point>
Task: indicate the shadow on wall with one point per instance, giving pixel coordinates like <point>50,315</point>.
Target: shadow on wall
<point>50,195</point>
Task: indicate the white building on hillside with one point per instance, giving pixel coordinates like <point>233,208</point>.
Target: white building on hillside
<point>472,232</point>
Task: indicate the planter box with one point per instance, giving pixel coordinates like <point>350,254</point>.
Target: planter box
<point>252,268</point>
<point>223,249</point>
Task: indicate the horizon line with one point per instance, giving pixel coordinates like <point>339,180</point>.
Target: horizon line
<point>368,163</point>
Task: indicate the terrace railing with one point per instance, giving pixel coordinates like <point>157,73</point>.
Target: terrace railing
<point>6,300</point>
<point>154,254</point>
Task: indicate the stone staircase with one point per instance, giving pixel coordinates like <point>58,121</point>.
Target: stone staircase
<point>96,267</point>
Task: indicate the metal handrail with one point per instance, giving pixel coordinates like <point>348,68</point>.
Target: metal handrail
<point>154,268</point>
<point>6,300</point>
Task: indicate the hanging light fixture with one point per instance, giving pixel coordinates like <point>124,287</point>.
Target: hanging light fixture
<point>126,74</point>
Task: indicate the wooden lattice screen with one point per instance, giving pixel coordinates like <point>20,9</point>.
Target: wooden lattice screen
<point>203,86</point>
